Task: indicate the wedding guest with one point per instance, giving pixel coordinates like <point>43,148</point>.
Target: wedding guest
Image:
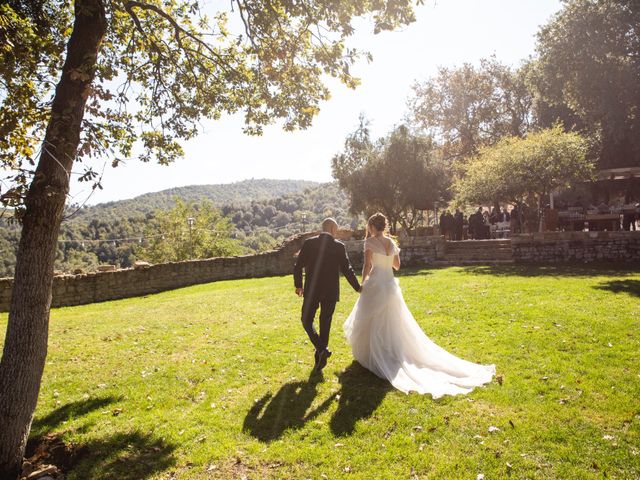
<point>475,224</point>
<point>450,222</point>
<point>504,215</point>
<point>458,224</point>
<point>629,218</point>
<point>443,223</point>
<point>493,217</point>
<point>515,226</point>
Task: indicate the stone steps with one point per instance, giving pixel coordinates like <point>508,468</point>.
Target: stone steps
<point>477,252</point>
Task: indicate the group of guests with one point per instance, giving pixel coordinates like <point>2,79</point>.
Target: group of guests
<point>478,223</point>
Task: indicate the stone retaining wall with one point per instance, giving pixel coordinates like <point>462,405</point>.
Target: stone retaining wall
<point>93,287</point>
<point>576,247</point>
<point>416,252</point>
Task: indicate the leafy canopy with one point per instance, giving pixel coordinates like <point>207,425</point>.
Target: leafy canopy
<point>166,64</point>
<point>516,169</point>
<point>588,75</point>
<point>397,175</point>
<point>468,107</point>
<point>171,238</point>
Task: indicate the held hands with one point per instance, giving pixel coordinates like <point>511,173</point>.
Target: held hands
<point>299,292</point>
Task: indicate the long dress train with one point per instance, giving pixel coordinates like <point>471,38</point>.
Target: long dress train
<point>386,339</point>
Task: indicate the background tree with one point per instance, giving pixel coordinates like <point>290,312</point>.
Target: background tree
<point>588,75</point>
<point>397,175</point>
<point>170,238</point>
<point>141,74</point>
<point>468,107</point>
<point>525,170</point>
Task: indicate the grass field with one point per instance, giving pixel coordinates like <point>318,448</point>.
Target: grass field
<point>212,381</point>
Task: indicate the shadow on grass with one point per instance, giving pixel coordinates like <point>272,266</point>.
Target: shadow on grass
<point>271,416</point>
<point>556,269</point>
<point>128,456</point>
<point>361,394</point>
<point>68,412</point>
<point>413,271</point>
<point>125,456</point>
<point>631,287</point>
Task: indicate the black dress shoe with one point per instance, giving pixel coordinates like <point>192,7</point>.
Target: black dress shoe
<point>322,359</point>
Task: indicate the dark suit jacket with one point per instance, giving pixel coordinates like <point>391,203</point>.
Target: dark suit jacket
<point>323,258</point>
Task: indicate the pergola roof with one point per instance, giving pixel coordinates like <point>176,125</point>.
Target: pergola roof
<point>618,173</point>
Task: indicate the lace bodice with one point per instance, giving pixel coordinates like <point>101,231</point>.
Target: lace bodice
<point>382,257</point>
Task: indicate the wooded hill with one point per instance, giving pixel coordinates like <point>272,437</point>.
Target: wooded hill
<point>264,212</point>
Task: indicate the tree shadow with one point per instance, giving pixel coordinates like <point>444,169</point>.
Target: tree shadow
<point>128,456</point>
<point>414,272</point>
<point>69,411</point>
<point>630,287</point>
<point>271,416</point>
<point>556,269</point>
<point>361,394</point>
<point>125,456</point>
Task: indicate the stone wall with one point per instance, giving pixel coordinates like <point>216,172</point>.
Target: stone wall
<point>415,252</point>
<point>576,247</point>
<point>100,286</point>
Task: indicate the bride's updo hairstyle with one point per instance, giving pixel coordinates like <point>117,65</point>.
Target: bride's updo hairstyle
<point>377,221</point>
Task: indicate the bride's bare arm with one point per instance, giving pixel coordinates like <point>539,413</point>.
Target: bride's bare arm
<point>396,262</point>
<point>366,269</point>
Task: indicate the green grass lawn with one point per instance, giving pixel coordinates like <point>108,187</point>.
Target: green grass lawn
<point>212,381</point>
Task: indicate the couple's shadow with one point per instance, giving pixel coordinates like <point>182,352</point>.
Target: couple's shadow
<point>360,394</point>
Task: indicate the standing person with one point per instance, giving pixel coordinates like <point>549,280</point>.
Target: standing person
<point>458,222</point>
<point>451,228</point>
<point>504,216</point>
<point>443,223</point>
<point>386,339</point>
<point>515,220</point>
<point>322,258</point>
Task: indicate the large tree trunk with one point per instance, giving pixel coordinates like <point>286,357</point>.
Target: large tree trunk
<point>25,346</point>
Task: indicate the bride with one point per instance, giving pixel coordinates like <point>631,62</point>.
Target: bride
<point>386,339</point>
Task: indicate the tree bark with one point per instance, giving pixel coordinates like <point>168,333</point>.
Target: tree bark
<point>25,346</point>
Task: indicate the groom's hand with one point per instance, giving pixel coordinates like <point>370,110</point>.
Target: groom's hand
<point>299,291</point>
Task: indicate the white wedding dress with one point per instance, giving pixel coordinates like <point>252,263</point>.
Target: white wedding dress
<point>386,339</point>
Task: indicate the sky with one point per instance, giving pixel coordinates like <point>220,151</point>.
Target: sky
<point>447,33</point>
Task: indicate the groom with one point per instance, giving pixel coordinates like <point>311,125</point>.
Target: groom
<point>322,258</point>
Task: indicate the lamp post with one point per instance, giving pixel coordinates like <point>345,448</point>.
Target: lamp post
<point>190,221</point>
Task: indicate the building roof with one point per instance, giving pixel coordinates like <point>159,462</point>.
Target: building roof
<point>618,173</point>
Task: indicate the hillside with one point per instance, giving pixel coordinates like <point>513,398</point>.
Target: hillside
<point>263,213</point>
<point>243,192</point>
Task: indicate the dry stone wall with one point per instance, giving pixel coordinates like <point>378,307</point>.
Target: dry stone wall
<point>93,287</point>
<point>547,247</point>
<point>415,252</point>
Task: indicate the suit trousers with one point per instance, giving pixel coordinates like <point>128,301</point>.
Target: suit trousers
<point>309,309</point>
